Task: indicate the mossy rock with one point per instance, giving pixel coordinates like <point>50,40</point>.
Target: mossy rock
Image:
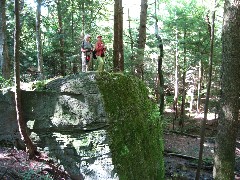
<point>135,131</point>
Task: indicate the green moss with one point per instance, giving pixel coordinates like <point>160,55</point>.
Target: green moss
<point>135,131</point>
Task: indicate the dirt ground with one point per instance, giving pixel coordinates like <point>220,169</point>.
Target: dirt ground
<point>15,165</point>
<point>182,147</point>
<point>181,154</point>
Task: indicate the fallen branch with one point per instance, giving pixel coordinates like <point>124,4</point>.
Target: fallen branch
<point>209,165</point>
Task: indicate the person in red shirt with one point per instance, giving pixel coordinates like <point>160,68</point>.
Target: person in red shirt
<point>100,49</point>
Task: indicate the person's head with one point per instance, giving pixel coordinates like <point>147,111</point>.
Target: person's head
<point>99,37</point>
<point>87,37</point>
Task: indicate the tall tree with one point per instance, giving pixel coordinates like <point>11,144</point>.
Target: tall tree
<point>130,34</point>
<point>121,51</point>
<point>38,38</point>
<point>199,86</point>
<point>61,37</point>
<point>2,3</point>
<point>203,125</point>
<point>224,158</point>
<point>182,116</point>
<point>175,100</point>
<point>200,68</point>
<point>4,57</point>
<point>21,123</point>
<point>141,39</point>
<point>82,10</point>
<point>118,56</point>
<point>160,59</point>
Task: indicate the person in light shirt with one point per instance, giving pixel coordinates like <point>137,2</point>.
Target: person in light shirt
<point>86,49</point>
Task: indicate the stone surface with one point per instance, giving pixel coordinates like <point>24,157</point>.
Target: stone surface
<point>8,123</point>
<point>68,121</point>
<point>72,102</point>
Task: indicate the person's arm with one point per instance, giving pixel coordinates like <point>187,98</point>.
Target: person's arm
<point>104,47</point>
<point>83,50</point>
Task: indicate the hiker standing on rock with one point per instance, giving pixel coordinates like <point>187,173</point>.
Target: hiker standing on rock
<point>86,49</point>
<point>100,49</point>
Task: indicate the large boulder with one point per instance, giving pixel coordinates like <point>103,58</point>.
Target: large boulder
<point>101,125</point>
<point>8,121</point>
<point>71,102</point>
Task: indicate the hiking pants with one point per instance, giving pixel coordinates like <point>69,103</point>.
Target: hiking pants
<point>86,65</point>
<point>100,63</point>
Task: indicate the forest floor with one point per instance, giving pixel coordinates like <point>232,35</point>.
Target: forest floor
<point>181,147</point>
<point>15,165</point>
<point>181,154</point>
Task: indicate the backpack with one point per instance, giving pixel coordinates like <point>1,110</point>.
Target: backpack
<point>93,53</point>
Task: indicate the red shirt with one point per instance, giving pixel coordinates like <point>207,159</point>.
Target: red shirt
<point>99,47</point>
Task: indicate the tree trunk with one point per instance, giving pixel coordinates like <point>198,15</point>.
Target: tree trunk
<point>118,56</point>
<point>72,22</point>
<point>61,38</point>
<point>203,125</point>
<point>4,58</point>
<point>160,59</point>
<point>141,39</point>
<point>2,5</point>
<point>224,158</point>
<point>38,39</point>
<point>74,64</point>
<point>182,116</point>
<point>21,124</point>
<point>82,10</point>
<point>175,101</point>
<point>120,26</point>
<point>131,38</point>
<point>116,36</point>
<point>199,88</point>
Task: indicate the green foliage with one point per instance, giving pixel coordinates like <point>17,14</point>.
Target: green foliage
<point>5,83</point>
<point>135,131</point>
<point>170,99</point>
<point>182,27</point>
<point>39,85</point>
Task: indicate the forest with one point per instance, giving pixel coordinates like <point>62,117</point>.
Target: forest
<point>185,51</point>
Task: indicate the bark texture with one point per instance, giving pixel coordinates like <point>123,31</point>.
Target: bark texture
<point>224,159</point>
<point>38,37</point>
<point>141,39</point>
<point>118,56</point>
<point>61,38</point>
<point>160,60</point>
<point>4,57</point>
